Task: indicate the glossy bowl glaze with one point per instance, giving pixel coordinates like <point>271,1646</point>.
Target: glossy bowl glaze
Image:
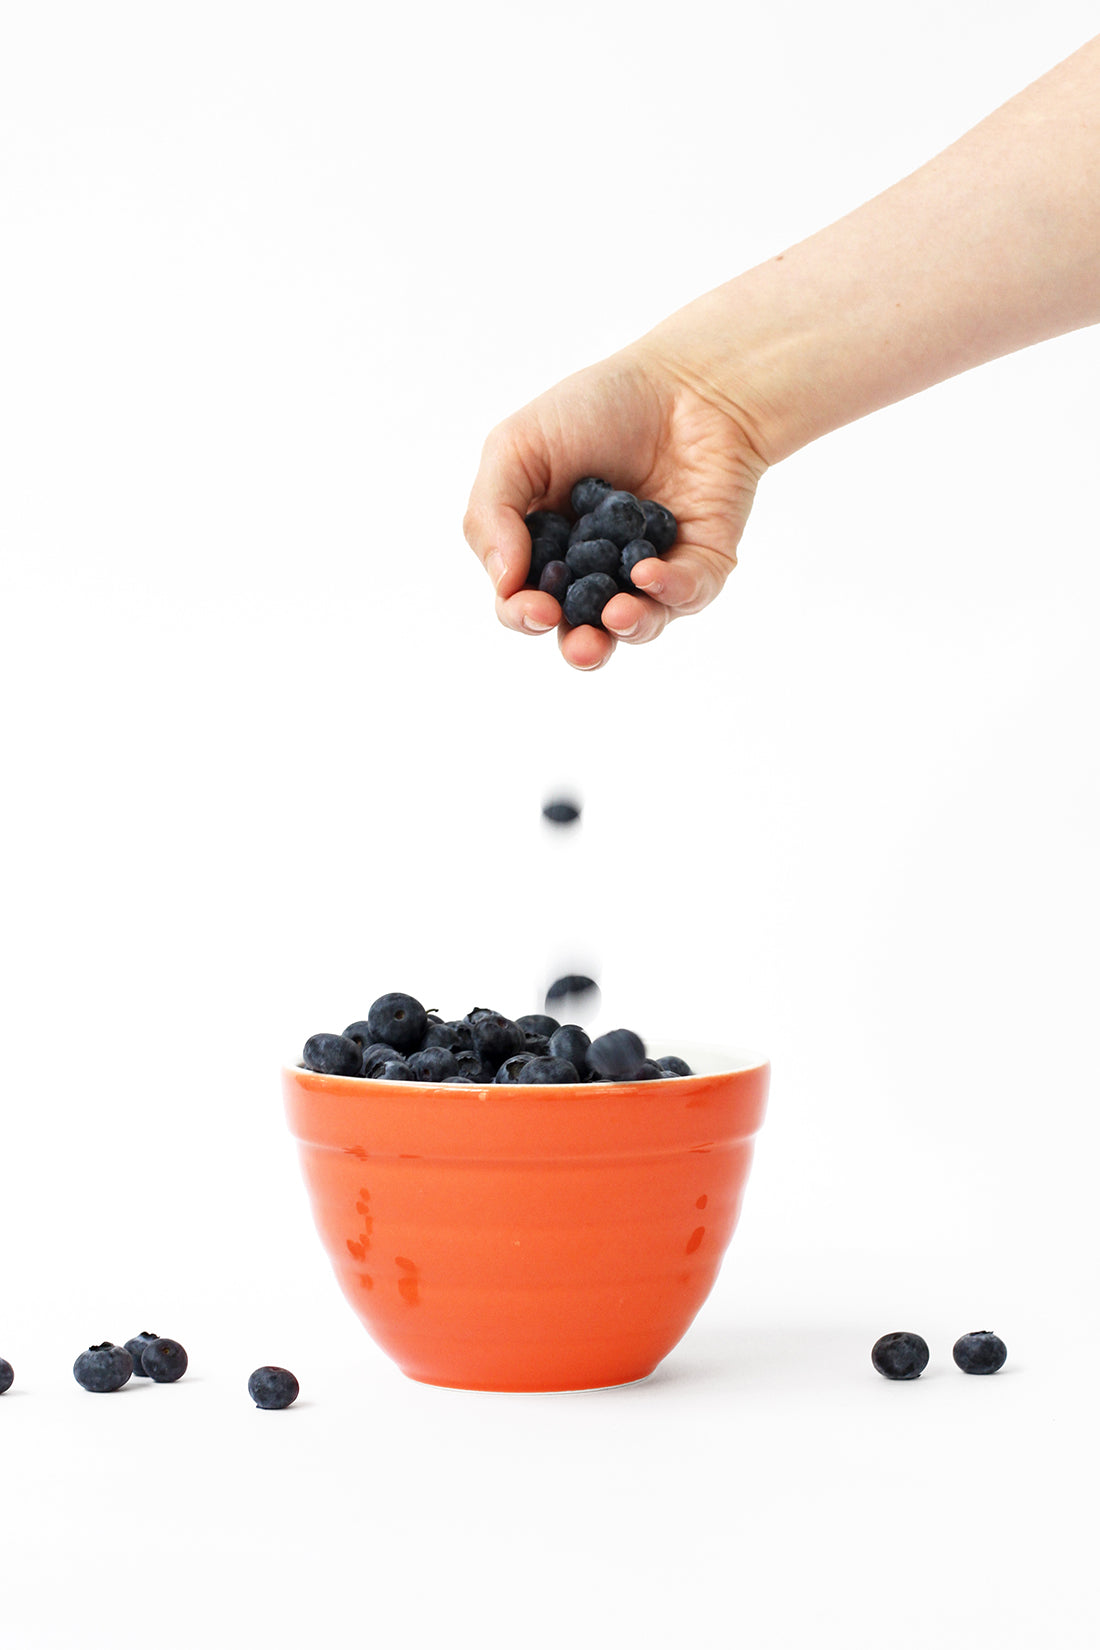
<point>528,1239</point>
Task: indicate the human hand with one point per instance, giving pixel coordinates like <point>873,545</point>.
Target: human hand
<point>638,422</point>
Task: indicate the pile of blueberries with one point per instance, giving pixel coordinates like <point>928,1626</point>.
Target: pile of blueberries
<point>902,1356</point>
<point>583,563</point>
<point>106,1367</point>
<point>401,1041</point>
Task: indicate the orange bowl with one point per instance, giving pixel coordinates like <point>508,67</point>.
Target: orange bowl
<point>528,1238</point>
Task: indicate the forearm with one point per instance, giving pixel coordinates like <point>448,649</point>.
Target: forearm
<point>992,245</point>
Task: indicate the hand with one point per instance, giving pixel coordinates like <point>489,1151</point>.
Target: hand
<point>635,421</point>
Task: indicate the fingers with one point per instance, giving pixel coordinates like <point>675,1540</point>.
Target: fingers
<point>503,491</point>
<point>634,619</point>
<point>584,647</point>
<point>684,580</point>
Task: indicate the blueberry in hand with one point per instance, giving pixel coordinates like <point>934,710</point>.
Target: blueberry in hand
<point>660,525</point>
<point>548,525</point>
<point>399,1020</point>
<point>979,1353</point>
<point>631,554</point>
<point>592,556</point>
<point>586,598</point>
<point>620,518</point>
<point>7,1374</point>
<point>165,1360</point>
<point>543,552</point>
<point>270,1387</point>
<point>103,1368</point>
<point>583,528</point>
<point>574,992</point>
<point>137,1346</point>
<point>549,1069</point>
<point>495,1038</point>
<point>900,1356</point>
<point>333,1055</point>
<point>433,1065</point>
<point>556,579</point>
<point>587,493</point>
<point>619,1055</point>
<point>572,1044</point>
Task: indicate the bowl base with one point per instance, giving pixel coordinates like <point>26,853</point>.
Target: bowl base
<point>533,1391</point>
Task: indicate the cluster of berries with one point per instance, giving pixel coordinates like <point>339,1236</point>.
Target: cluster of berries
<point>402,1041</point>
<point>903,1356</point>
<point>107,1367</point>
<point>583,563</point>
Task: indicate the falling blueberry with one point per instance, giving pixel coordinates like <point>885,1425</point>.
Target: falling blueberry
<point>270,1387</point>
<point>137,1346</point>
<point>7,1375</point>
<point>900,1356</point>
<point>979,1353</point>
<point>561,810</point>
<point>164,1359</point>
<point>332,1055</point>
<point>104,1367</point>
<point>573,991</point>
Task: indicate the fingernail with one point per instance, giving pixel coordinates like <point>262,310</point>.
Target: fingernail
<point>618,630</point>
<point>494,566</point>
<point>597,666</point>
<point>652,586</point>
<point>534,626</point>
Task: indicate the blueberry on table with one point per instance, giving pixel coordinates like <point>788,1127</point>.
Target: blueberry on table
<point>104,1367</point>
<point>433,1065</point>
<point>576,990</point>
<point>618,517</point>
<point>619,1055</point>
<point>399,1020</point>
<point>900,1356</point>
<point>270,1387</point>
<point>333,1055</point>
<point>512,1069</point>
<point>137,1346</point>
<point>673,1066</point>
<point>660,525</point>
<point>7,1374</point>
<point>165,1360</point>
<point>549,1069</point>
<point>592,556</point>
<point>548,525</point>
<point>495,1038</point>
<point>556,579</point>
<point>587,493</point>
<point>542,1025</point>
<point>587,597</point>
<point>979,1353</point>
<point>561,810</point>
<point>572,1044</point>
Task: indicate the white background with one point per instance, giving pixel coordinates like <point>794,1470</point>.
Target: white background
<point>268,274</point>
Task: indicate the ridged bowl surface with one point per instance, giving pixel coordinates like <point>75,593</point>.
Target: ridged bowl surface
<point>528,1239</point>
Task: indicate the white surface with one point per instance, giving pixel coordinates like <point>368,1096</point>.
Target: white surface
<point>269,274</point>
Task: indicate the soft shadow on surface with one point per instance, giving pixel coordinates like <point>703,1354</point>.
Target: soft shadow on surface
<point>771,1354</point>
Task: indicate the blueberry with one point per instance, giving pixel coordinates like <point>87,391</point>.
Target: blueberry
<point>979,1353</point>
<point>900,1356</point>
<point>543,552</point>
<point>103,1368</point>
<point>7,1374</point>
<point>618,517</point>
<point>512,1068</point>
<point>535,1043</point>
<point>164,1360</point>
<point>375,1057</point>
<point>561,810</point>
<point>397,1071</point>
<point>574,991</point>
<point>439,1035</point>
<point>543,1025</point>
<point>548,525</point>
<point>479,1014</point>
<point>631,554</point>
<point>333,1055</point>
<point>660,525</point>
<point>619,1055</point>
<point>433,1065</point>
<point>587,493</point>
<point>586,598</point>
<point>137,1346</point>
<point>549,1070</point>
<point>359,1032</point>
<point>270,1387</point>
<point>572,1044</point>
<point>470,1069</point>
<point>592,556</point>
<point>556,579</point>
<point>398,1020</point>
<point>495,1038</point>
<point>673,1066</point>
<point>650,1071</point>
<point>462,1036</point>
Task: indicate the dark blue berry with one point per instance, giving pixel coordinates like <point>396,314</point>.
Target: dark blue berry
<point>556,579</point>
<point>582,529</point>
<point>543,1025</point>
<point>543,552</point>
<point>574,991</point>
<point>398,1020</point>
<point>650,1071</point>
<point>979,1353</point>
<point>433,1065</point>
<point>549,1069</point>
<point>7,1374</point>
<point>586,598</point>
<point>572,1044</point>
<point>137,1346</point>
<point>618,517</point>
<point>619,1055</point>
<point>660,525</point>
<point>164,1360</point>
<point>333,1055</point>
<point>270,1387</point>
<point>673,1066</point>
<point>397,1071</point>
<point>561,810</point>
<point>512,1068</point>
<point>103,1368</point>
<point>470,1068</point>
<point>476,1014</point>
<point>359,1032</point>
<point>900,1356</point>
<point>592,556</point>
<point>439,1035</point>
<point>495,1038</point>
<point>637,550</point>
<point>375,1057</point>
<point>587,493</point>
<point>535,1043</point>
<point>548,525</point>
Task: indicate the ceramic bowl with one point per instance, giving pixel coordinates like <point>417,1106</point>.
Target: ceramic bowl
<point>528,1239</point>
